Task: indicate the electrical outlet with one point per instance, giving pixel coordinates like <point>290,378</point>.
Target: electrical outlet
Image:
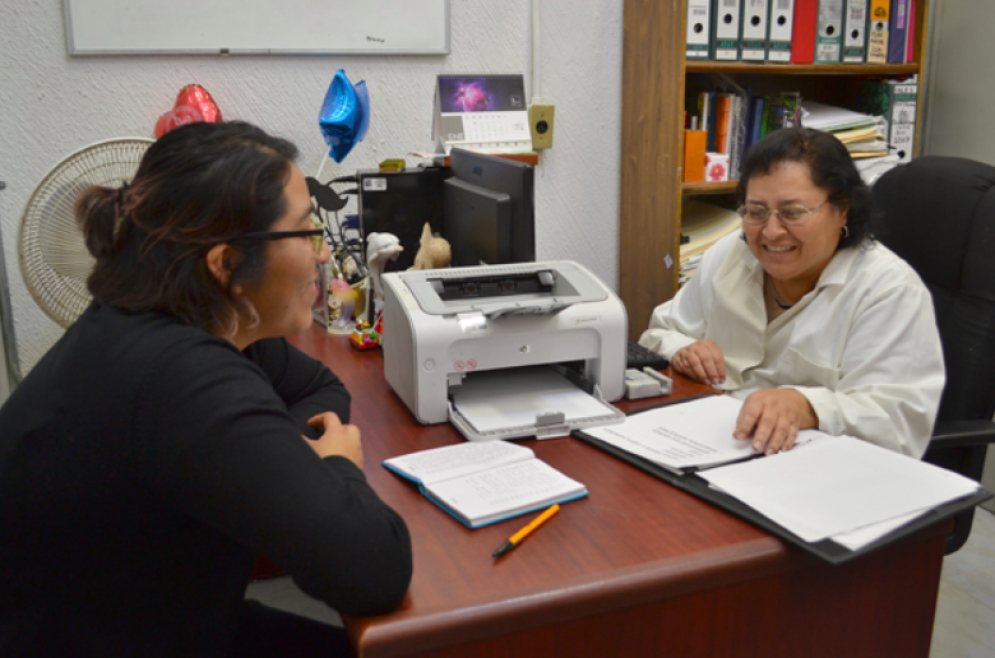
<point>541,123</point>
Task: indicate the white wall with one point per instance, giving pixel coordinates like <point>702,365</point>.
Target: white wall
<point>51,105</point>
<point>960,84</point>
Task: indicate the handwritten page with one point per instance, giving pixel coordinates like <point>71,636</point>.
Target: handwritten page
<point>457,460</point>
<point>838,485</point>
<point>681,436</point>
<point>482,482</point>
<point>505,491</point>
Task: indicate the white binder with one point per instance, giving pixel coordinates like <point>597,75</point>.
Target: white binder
<point>877,32</point>
<point>855,32</point>
<point>782,15</point>
<point>726,15</point>
<point>699,27</point>
<point>754,41</point>
<point>829,32</point>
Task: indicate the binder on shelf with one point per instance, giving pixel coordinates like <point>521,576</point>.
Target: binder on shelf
<point>829,32</point>
<point>780,24</point>
<point>895,101</point>
<point>803,31</point>
<point>699,27</point>
<point>877,32</point>
<point>898,25</point>
<point>726,15</point>
<point>910,51</point>
<point>855,32</point>
<point>694,155</point>
<point>754,41</point>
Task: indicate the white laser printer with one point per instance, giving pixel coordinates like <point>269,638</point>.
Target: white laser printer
<point>505,351</point>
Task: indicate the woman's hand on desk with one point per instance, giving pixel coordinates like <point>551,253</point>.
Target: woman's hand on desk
<point>702,360</point>
<point>336,439</point>
<point>772,417</point>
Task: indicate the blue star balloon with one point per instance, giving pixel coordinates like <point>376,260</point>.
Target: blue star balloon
<point>345,115</point>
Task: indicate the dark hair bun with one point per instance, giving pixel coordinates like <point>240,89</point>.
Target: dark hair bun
<point>98,210</point>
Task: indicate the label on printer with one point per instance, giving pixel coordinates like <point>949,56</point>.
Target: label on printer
<point>472,323</point>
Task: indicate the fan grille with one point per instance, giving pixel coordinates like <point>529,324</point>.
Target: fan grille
<point>54,260</point>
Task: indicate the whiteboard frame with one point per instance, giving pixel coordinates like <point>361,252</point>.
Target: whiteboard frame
<point>82,41</point>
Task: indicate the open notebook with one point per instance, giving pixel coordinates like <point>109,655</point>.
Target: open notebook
<point>484,482</point>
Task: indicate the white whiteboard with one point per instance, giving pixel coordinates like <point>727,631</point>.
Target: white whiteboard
<point>105,27</point>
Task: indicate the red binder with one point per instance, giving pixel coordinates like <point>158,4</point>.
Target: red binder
<point>803,31</point>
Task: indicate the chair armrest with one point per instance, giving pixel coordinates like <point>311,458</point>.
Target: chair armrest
<point>956,433</point>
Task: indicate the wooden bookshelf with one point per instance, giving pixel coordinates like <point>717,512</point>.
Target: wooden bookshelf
<point>655,79</point>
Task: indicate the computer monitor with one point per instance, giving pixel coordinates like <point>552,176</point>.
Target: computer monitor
<point>474,223</point>
<point>477,223</point>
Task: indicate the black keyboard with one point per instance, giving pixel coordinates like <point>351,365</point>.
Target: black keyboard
<point>639,357</point>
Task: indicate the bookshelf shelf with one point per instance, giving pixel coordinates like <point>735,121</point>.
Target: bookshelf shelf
<point>732,68</point>
<point>655,80</point>
<point>695,189</point>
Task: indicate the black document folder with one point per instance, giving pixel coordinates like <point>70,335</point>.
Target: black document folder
<point>826,549</point>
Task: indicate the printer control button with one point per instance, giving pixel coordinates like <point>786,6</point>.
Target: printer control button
<point>429,364</point>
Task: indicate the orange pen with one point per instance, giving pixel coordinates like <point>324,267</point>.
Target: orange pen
<point>516,538</point>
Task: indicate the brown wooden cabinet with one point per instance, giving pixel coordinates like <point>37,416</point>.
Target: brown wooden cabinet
<point>655,77</point>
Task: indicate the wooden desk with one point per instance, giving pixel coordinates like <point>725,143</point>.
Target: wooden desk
<point>637,568</point>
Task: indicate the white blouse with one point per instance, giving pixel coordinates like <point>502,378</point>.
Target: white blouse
<point>862,347</point>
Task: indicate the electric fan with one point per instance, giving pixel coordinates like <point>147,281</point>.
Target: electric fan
<point>54,260</point>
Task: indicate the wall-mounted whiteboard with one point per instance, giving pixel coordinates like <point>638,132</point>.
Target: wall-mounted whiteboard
<point>106,27</point>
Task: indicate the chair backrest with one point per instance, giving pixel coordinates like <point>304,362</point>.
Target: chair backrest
<point>938,213</point>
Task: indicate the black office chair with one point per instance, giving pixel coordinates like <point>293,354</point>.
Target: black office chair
<point>938,213</point>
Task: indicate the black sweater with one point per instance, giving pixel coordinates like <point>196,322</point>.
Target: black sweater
<point>145,463</point>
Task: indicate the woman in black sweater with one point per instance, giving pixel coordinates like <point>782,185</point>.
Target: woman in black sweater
<point>159,446</point>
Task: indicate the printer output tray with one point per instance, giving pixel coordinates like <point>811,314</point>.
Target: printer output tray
<point>524,402</point>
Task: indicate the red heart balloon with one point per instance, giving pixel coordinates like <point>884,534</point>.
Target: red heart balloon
<point>193,104</point>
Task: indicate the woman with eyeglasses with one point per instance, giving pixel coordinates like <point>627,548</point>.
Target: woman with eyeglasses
<point>803,314</point>
<point>173,434</point>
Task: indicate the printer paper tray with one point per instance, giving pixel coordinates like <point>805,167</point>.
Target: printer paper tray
<point>525,402</point>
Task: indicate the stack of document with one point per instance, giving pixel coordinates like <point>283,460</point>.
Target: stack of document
<point>830,118</point>
<point>863,143</point>
<point>862,134</point>
<point>841,488</point>
<point>702,225</point>
<point>827,487</point>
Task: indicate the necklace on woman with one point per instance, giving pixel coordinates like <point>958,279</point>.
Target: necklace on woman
<point>773,294</point>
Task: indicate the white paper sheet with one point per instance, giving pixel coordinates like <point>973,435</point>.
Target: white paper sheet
<point>502,399</point>
<point>838,485</point>
<point>857,539</point>
<point>678,436</point>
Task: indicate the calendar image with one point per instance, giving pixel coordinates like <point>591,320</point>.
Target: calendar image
<point>487,113</point>
<point>463,94</point>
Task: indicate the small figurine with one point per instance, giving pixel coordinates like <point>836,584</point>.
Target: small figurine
<point>380,248</point>
<point>363,337</point>
<point>433,253</point>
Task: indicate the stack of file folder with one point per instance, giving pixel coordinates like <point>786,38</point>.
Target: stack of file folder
<point>702,225</point>
<point>862,134</point>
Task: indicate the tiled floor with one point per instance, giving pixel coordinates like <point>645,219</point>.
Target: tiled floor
<point>965,614</point>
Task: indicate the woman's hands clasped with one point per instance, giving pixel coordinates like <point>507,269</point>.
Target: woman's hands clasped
<point>336,439</point>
